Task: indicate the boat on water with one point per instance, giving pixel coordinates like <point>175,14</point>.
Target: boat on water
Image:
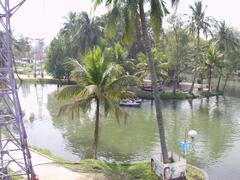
<point>131,103</point>
<point>138,100</point>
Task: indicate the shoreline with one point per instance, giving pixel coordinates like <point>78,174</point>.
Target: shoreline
<point>140,169</point>
<point>138,91</point>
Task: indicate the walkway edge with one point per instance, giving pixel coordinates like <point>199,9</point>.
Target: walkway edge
<point>206,177</point>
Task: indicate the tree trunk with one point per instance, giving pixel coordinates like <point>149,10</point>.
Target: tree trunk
<point>225,83</point>
<point>96,131</point>
<point>195,68</point>
<point>193,82</point>
<point>209,79</point>
<point>218,84</point>
<point>174,87</point>
<point>156,93</point>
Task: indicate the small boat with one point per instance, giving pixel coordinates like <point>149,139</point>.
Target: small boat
<point>130,103</point>
<point>138,100</point>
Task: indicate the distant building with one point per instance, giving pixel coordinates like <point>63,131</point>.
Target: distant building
<point>26,61</point>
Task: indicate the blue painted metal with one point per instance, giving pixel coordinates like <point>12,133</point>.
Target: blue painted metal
<point>185,146</point>
<point>14,149</point>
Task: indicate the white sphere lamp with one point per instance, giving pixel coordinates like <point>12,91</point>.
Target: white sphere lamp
<point>192,133</point>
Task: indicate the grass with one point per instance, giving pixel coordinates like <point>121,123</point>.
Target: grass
<point>109,171</point>
<point>48,154</point>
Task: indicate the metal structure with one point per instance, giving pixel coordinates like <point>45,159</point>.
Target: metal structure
<point>38,56</point>
<point>15,158</point>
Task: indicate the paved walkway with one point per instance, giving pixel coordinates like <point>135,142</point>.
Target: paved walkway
<point>46,169</point>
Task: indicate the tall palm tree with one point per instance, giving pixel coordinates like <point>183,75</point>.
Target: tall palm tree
<point>67,34</point>
<point>89,32</point>
<point>98,81</point>
<point>198,23</point>
<point>212,58</point>
<point>225,37</point>
<point>227,40</point>
<point>133,11</point>
<point>80,31</point>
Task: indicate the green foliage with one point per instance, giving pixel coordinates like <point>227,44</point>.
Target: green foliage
<point>160,61</point>
<point>79,34</point>
<point>97,78</point>
<point>99,82</point>
<point>22,48</point>
<point>56,59</point>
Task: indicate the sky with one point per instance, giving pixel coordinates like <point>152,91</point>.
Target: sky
<point>44,18</point>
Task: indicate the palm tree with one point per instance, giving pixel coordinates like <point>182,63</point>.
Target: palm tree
<point>199,22</point>
<point>80,31</point>
<point>89,32</point>
<point>160,62</point>
<point>133,10</point>
<point>227,41</point>
<point>213,57</point>
<point>67,34</point>
<point>225,37</point>
<point>98,81</point>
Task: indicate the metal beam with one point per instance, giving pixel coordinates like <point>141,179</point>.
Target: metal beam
<point>14,151</point>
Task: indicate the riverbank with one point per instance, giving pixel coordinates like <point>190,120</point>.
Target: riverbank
<point>138,91</point>
<point>139,170</point>
<point>101,170</point>
<point>170,95</point>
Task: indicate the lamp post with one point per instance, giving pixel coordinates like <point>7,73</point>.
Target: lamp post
<point>186,146</point>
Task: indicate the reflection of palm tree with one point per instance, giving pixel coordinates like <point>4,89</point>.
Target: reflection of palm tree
<point>98,82</point>
<point>39,95</point>
<point>119,141</point>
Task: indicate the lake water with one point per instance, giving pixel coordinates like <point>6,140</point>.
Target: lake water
<point>217,121</point>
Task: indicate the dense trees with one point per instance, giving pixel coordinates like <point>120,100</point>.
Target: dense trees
<point>135,39</point>
<point>183,50</point>
<point>79,34</point>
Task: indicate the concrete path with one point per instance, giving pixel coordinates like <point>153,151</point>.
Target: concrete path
<point>46,169</point>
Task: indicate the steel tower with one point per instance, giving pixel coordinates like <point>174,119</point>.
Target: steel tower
<point>15,158</point>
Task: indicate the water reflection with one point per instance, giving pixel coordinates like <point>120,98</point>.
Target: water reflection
<point>216,119</point>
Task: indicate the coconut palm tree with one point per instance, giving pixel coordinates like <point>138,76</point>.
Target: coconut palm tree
<point>67,34</point>
<point>133,11</point>
<point>98,81</point>
<point>198,23</point>
<point>212,58</point>
<point>227,40</point>
<point>225,37</point>
<point>89,32</point>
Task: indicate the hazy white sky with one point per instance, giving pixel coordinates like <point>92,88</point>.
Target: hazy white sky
<point>43,18</point>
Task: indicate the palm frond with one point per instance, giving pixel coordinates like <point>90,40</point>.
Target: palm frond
<point>158,11</point>
<point>68,92</point>
<point>88,92</point>
<point>122,82</point>
<point>113,106</point>
<point>75,107</point>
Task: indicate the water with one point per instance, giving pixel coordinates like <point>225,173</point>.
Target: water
<point>217,120</point>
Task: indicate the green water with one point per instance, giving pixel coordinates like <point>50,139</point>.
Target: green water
<point>217,121</point>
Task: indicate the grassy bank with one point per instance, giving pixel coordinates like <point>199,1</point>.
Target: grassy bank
<point>177,96</point>
<point>167,95</point>
<point>109,171</point>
